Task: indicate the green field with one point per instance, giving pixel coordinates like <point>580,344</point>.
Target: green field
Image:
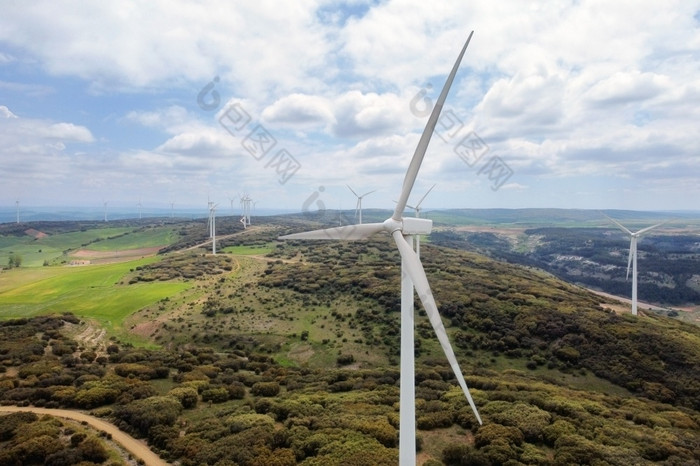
<point>98,292</point>
<point>136,239</point>
<point>36,251</point>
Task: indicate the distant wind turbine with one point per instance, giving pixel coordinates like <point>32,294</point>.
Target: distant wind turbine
<point>210,225</point>
<point>104,206</point>
<point>358,207</point>
<point>212,217</point>
<point>17,205</point>
<point>632,257</point>
<point>139,205</point>
<point>412,275</point>
<point>245,209</point>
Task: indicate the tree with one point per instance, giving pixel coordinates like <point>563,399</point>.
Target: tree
<point>92,450</point>
<point>15,260</point>
<point>143,414</point>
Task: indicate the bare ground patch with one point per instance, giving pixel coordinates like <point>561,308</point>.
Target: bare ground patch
<point>92,255</point>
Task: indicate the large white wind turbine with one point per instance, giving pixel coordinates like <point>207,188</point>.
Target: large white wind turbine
<point>412,275</point>
<point>358,206</point>
<point>632,257</point>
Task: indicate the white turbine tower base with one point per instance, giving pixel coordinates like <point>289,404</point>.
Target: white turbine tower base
<point>412,276</point>
<point>632,257</point>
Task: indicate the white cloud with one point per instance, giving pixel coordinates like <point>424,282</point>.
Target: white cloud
<point>6,113</point>
<point>258,45</point>
<point>300,110</point>
<point>625,87</point>
<point>558,89</point>
<point>170,119</point>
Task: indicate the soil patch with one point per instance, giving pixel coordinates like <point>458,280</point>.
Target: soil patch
<point>35,233</point>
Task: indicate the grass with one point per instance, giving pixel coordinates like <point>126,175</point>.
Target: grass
<point>248,250</point>
<point>95,292</point>
<point>35,251</point>
<point>147,238</point>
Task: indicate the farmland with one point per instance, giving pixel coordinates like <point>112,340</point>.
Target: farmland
<point>97,292</point>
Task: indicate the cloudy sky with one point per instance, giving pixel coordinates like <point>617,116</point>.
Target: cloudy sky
<point>569,103</point>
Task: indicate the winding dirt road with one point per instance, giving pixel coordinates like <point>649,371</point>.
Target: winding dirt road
<point>135,447</point>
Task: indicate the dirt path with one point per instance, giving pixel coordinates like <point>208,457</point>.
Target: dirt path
<point>628,303</point>
<point>135,447</point>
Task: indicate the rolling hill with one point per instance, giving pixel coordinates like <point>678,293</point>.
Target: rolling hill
<point>286,353</point>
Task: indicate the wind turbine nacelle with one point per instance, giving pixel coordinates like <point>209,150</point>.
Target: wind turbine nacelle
<point>416,226</point>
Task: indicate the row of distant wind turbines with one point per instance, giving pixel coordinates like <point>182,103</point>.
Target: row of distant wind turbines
<point>245,201</point>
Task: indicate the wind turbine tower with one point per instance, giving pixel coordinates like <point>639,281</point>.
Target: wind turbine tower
<point>139,205</point>
<point>210,225</point>
<point>104,206</point>
<point>358,207</point>
<point>212,218</point>
<point>17,205</point>
<point>245,210</point>
<point>412,276</point>
<point>632,257</point>
<point>248,201</point>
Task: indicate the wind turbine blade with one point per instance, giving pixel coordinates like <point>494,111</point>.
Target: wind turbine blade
<point>347,232</point>
<point>417,159</point>
<point>622,227</point>
<point>352,190</point>
<point>629,258</point>
<point>415,271</point>
<point>422,198</point>
<point>644,230</point>
<point>365,194</point>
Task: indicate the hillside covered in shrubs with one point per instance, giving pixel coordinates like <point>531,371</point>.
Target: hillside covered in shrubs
<point>558,378</point>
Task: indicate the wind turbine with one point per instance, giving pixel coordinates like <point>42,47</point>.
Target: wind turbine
<point>245,209</point>
<point>210,226</point>
<point>139,205</point>
<point>104,206</point>
<point>632,257</point>
<point>358,207</point>
<point>248,201</point>
<point>212,218</point>
<point>17,205</point>
<point>412,275</point>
